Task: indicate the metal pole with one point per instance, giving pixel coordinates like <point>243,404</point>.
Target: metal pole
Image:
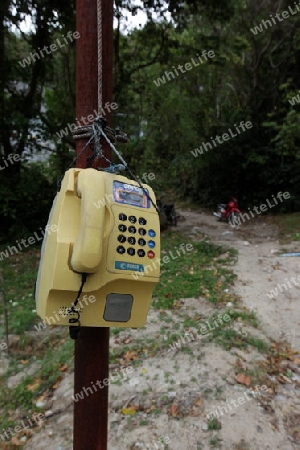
<point>87,65</point>
<point>92,345</point>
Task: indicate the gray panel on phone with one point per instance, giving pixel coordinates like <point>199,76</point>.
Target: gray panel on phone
<point>118,307</point>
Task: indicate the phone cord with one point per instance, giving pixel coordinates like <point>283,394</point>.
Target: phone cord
<point>75,328</point>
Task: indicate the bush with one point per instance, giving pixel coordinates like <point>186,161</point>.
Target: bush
<point>27,198</point>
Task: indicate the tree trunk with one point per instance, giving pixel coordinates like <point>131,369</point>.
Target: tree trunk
<point>4,137</point>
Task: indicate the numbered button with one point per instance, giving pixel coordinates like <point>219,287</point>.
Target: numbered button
<point>141,253</point>
<point>122,217</point>
<point>131,251</point>
<point>132,230</point>
<point>121,250</point>
<point>132,219</point>
<point>122,228</point>
<point>142,242</point>
<point>121,238</point>
<point>142,221</point>
<point>131,240</point>
<point>142,231</point>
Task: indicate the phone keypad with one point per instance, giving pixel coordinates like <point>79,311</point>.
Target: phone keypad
<point>146,239</point>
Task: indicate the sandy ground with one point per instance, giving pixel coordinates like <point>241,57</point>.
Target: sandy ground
<point>175,390</point>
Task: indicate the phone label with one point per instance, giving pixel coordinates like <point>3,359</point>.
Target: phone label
<point>121,265</point>
<point>130,194</point>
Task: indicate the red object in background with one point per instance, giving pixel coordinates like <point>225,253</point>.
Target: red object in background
<point>232,206</point>
<point>230,211</point>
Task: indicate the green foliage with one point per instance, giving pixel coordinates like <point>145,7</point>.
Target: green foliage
<point>250,78</point>
<point>26,199</point>
<point>246,81</point>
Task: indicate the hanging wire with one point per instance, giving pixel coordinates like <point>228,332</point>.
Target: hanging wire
<point>74,161</point>
<point>99,20</point>
<point>99,129</point>
<point>94,132</point>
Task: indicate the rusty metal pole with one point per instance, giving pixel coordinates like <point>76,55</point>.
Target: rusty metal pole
<point>92,345</point>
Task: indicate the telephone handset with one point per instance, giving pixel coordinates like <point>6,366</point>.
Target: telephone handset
<point>88,246</point>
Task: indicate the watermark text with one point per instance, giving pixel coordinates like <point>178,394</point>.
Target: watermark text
<point>183,68</point>
<point>242,127</point>
<point>47,50</point>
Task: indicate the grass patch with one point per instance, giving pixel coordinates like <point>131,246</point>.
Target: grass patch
<point>214,424</point>
<point>19,273</point>
<point>289,227</point>
<point>230,336</point>
<point>47,351</point>
<point>24,395</point>
<point>199,272</point>
<point>248,317</point>
<point>214,441</point>
<point>225,333</point>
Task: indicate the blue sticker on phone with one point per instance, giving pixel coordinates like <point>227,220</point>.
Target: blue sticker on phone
<point>122,265</point>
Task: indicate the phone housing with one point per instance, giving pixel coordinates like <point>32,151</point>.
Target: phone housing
<point>107,228</point>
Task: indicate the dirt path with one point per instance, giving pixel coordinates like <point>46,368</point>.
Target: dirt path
<point>260,269</point>
<point>175,390</point>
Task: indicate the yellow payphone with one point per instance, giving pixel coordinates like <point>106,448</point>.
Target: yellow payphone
<point>108,232</point>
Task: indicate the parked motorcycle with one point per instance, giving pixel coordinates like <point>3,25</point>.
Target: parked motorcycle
<point>230,212</point>
<point>167,214</point>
